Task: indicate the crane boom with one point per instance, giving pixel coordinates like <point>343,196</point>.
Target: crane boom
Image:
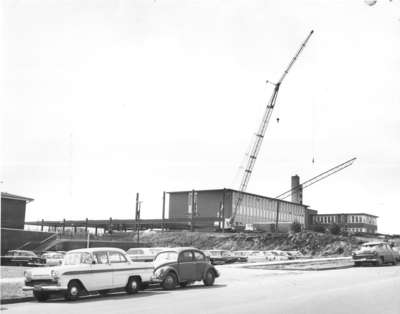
<point>317,178</point>
<point>261,131</point>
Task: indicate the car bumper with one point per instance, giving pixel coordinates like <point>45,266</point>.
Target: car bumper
<point>365,259</point>
<point>44,288</point>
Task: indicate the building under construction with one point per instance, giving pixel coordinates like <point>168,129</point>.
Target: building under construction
<point>256,210</point>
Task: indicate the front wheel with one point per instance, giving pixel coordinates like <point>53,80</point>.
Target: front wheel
<point>73,291</point>
<point>169,282</point>
<point>379,262</point>
<point>41,296</point>
<point>133,285</point>
<point>209,278</point>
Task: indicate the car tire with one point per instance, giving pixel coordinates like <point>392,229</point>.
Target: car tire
<point>357,264</point>
<point>209,278</point>
<point>380,261</point>
<point>73,292</point>
<point>169,282</point>
<point>183,284</point>
<point>41,296</point>
<point>133,285</point>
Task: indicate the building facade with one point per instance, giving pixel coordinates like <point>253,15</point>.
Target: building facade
<point>220,203</point>
<point>13,209</point>
<point>352,222</point>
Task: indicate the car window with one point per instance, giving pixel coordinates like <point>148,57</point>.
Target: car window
<point>166,257</point>
<point>78,258</point>
<point>199,256</point>
<point>116,257</point>
<point>186,256</point>
<point>101,257</point>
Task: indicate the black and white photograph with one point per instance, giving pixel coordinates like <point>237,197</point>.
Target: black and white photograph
<point>200,156</point>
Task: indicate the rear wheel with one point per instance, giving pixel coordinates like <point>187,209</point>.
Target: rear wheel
<point>169,281</point>
<point>133,285</point>
<point>357,264</point>
<point>41,296</point>
<point>73,292</point>
<point>209,278</point>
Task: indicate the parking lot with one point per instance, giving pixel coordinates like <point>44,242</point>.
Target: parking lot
<point>240,290</point>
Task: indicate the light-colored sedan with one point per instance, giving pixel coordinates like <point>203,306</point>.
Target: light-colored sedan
<point>377,253</point>
<point>87,271</point>
<point>53,258</point>
<point>144,254</point>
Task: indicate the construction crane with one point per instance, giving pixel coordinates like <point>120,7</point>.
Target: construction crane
<point>317,178</point>
<point>261,132</point>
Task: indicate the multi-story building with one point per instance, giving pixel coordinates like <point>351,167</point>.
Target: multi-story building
<point>220,203</point>
<point>353,222</point>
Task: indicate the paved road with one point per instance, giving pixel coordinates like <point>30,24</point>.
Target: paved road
<point>353,290</point>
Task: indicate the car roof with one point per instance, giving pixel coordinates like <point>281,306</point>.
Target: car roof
<point>179,249</point>
<point>97,249</point>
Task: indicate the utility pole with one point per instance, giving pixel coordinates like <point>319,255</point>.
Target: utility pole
<point>192,213</point>
<point>137,216</point>
<point>278,205</point>
<point>163,211</point>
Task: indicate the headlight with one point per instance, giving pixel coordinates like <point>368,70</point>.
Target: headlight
<point>55,275</point>
<point>27,275</point>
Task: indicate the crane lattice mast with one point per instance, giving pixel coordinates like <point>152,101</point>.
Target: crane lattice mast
<point>317,178</point>
<point>261,132</point>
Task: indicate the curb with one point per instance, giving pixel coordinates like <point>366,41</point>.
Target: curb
<point>16,300</point>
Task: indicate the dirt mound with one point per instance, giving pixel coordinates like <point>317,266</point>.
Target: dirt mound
<point>308,242</point>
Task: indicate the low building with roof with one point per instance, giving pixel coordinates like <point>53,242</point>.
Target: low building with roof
<point>351,222</point>
<point>13,208</point>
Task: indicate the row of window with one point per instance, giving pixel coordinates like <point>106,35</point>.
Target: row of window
<point>330,219</point>
<point>356,229</point>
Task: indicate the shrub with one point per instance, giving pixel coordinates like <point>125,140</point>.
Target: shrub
<point>335,229</point>
<point>295,227</point>
<point>318,228</point>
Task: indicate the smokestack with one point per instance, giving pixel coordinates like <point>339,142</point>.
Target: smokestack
<point>297,190</point>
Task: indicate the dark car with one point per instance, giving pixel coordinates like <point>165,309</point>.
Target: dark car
<point>377,253</point>
<point>183,266</point>
<point>219,257</point>
<point>22,258</point>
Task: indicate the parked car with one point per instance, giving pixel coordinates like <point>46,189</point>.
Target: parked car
<point>396,251</point>
<point>219,257</point>
<point>143,254</point>
<point>241,255</point>
<point>280,255</point>
<point>294,254</point>
<point>377,253</point>
<point>183,266</point>
<point>53,258</point>
<point>85,271</point>
<point>256,257</point>
<point>21,258</point>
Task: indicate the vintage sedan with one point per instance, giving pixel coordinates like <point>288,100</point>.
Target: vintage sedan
<point>87,271</point>
<point>22,258</point>
<point>183,266</point>
<point>377,253</point>
<point>53,258</point>
<point>144,254</point>
<point>219,257</point>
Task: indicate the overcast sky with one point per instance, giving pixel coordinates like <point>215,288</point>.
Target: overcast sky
<point>103,99</point>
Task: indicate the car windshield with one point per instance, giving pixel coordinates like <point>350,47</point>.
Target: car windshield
<point>166,257</point>
<point>78,258</point>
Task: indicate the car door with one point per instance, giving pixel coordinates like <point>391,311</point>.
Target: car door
<point>99,274</point>
<point>186,266</point>
<point>121,269</point>
<point>201,264</point>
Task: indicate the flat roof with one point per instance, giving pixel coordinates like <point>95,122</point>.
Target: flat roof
<point>347,214</point>
<point>16,197</point>
<point>247,193</point>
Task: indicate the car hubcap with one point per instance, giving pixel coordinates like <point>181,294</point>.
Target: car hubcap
<point>74,291</point>
<point>134,285</point>
<point>169,280</point>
